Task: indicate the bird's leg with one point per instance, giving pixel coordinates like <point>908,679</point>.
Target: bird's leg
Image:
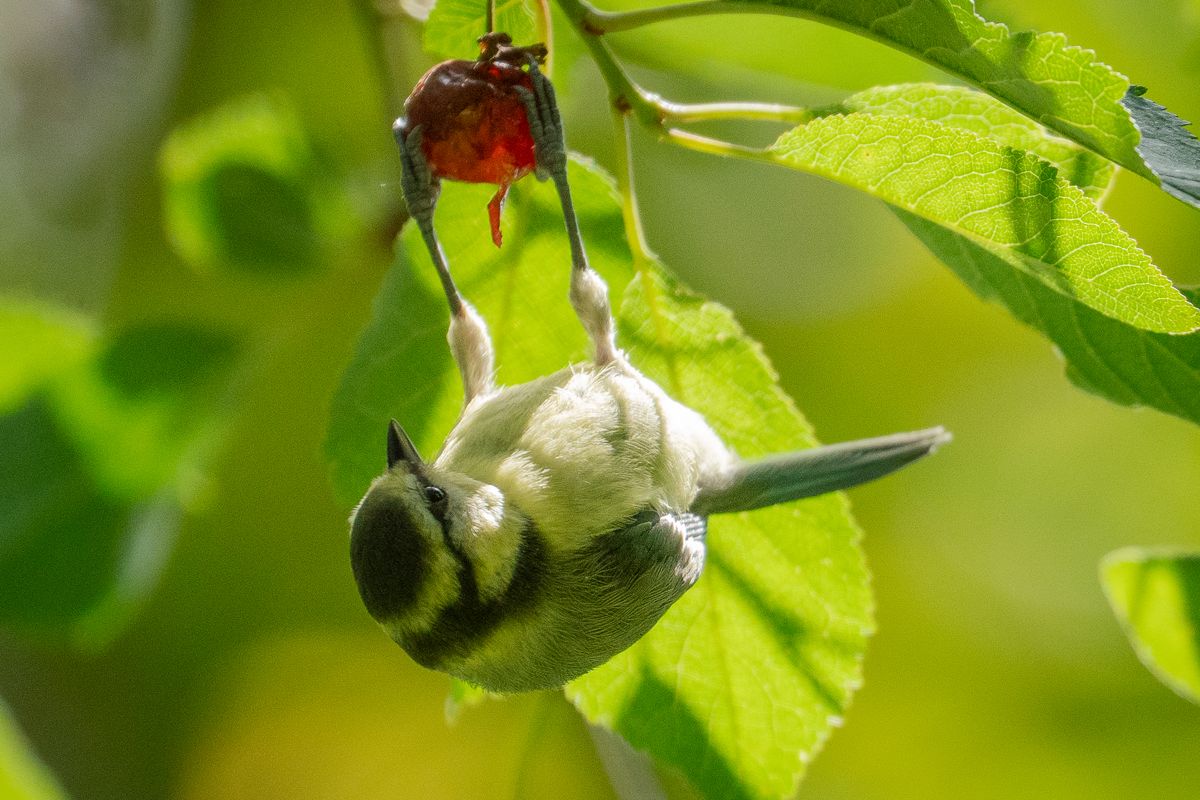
<point>589,294</point>
<point>468,336</point>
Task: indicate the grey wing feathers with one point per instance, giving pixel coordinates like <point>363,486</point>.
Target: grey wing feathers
<point>807,473</point>
<point>652,541</point>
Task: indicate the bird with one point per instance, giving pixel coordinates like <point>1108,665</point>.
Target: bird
<point>564,516</point>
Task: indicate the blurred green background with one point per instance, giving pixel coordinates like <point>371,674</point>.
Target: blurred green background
<point>252,670</point>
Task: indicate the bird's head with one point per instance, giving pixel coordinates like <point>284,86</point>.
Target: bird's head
<point>435,555</point>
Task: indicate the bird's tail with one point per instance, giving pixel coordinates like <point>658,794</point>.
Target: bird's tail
<point>806,473</point>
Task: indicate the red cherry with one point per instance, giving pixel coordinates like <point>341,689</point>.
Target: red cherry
<point>473,123</point>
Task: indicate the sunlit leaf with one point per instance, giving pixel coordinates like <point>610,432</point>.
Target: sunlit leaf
<point>740,683</point>
<point>1061,86</point>
<point>1117,361</point>
<point>244,189</point>
<point>101,454</point>
<point>980,113</point>
<point>22,776</point>
<point>454,25</point>
<point>1012,203</point>
<point>1156,596</point>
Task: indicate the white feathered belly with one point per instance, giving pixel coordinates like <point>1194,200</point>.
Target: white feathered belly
<point>584,448</point>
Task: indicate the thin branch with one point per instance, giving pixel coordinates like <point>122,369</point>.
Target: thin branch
<point>700,112</point>
<point>718,147</point>
<point>642,254</point>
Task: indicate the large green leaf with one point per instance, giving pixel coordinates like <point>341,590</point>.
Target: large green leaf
<point>22,776</point>
<point>1012,203</point>
<point>1156,596</point>
<point>103,445</point>
<point>1117,361</point>
<point>1061,86</point>
<point>981,114</point>
<point>740,683</point>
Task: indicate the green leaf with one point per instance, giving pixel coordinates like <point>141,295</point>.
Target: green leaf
<point>22,776</point>
<point>740,683</point>
<point>983,115</point>
<point>244,189</point>
<point>454,26</point>
<point>1061,86</point>
<point>102,453</point>
<point>1156,597</point>
<point>1012,203</point>
<point>1117,361</point>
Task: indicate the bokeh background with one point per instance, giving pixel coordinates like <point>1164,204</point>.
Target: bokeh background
<point>252,670</point>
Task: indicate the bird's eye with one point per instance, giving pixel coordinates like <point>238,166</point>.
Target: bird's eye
<point>436,497</point>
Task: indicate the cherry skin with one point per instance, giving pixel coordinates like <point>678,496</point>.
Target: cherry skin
<point>473,123</point>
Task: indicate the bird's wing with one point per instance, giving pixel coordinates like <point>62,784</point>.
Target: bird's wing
<point>653,542</point>
<point>806,473</point>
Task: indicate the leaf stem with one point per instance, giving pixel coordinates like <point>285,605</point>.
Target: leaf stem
<point>717,147</point>
<point>700,112</point>
<point>642,254</point>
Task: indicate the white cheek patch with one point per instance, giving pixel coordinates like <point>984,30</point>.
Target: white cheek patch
<point>494,541</point>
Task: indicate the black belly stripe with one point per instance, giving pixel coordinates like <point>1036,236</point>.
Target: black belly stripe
<point>462,625</point>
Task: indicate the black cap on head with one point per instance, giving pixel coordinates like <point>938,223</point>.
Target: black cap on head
<point>389,558</point>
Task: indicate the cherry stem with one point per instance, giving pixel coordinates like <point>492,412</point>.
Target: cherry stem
<point>545,34</point>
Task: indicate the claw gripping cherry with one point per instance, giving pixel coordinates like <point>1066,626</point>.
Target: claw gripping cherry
<point>472,118</point>
<point>492,120</point>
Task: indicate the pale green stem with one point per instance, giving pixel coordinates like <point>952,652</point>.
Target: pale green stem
<point>642,254</point>
<point>700,112</point>
<point>718,147</point>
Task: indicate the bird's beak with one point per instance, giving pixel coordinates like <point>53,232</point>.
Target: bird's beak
<point>401,448</point>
